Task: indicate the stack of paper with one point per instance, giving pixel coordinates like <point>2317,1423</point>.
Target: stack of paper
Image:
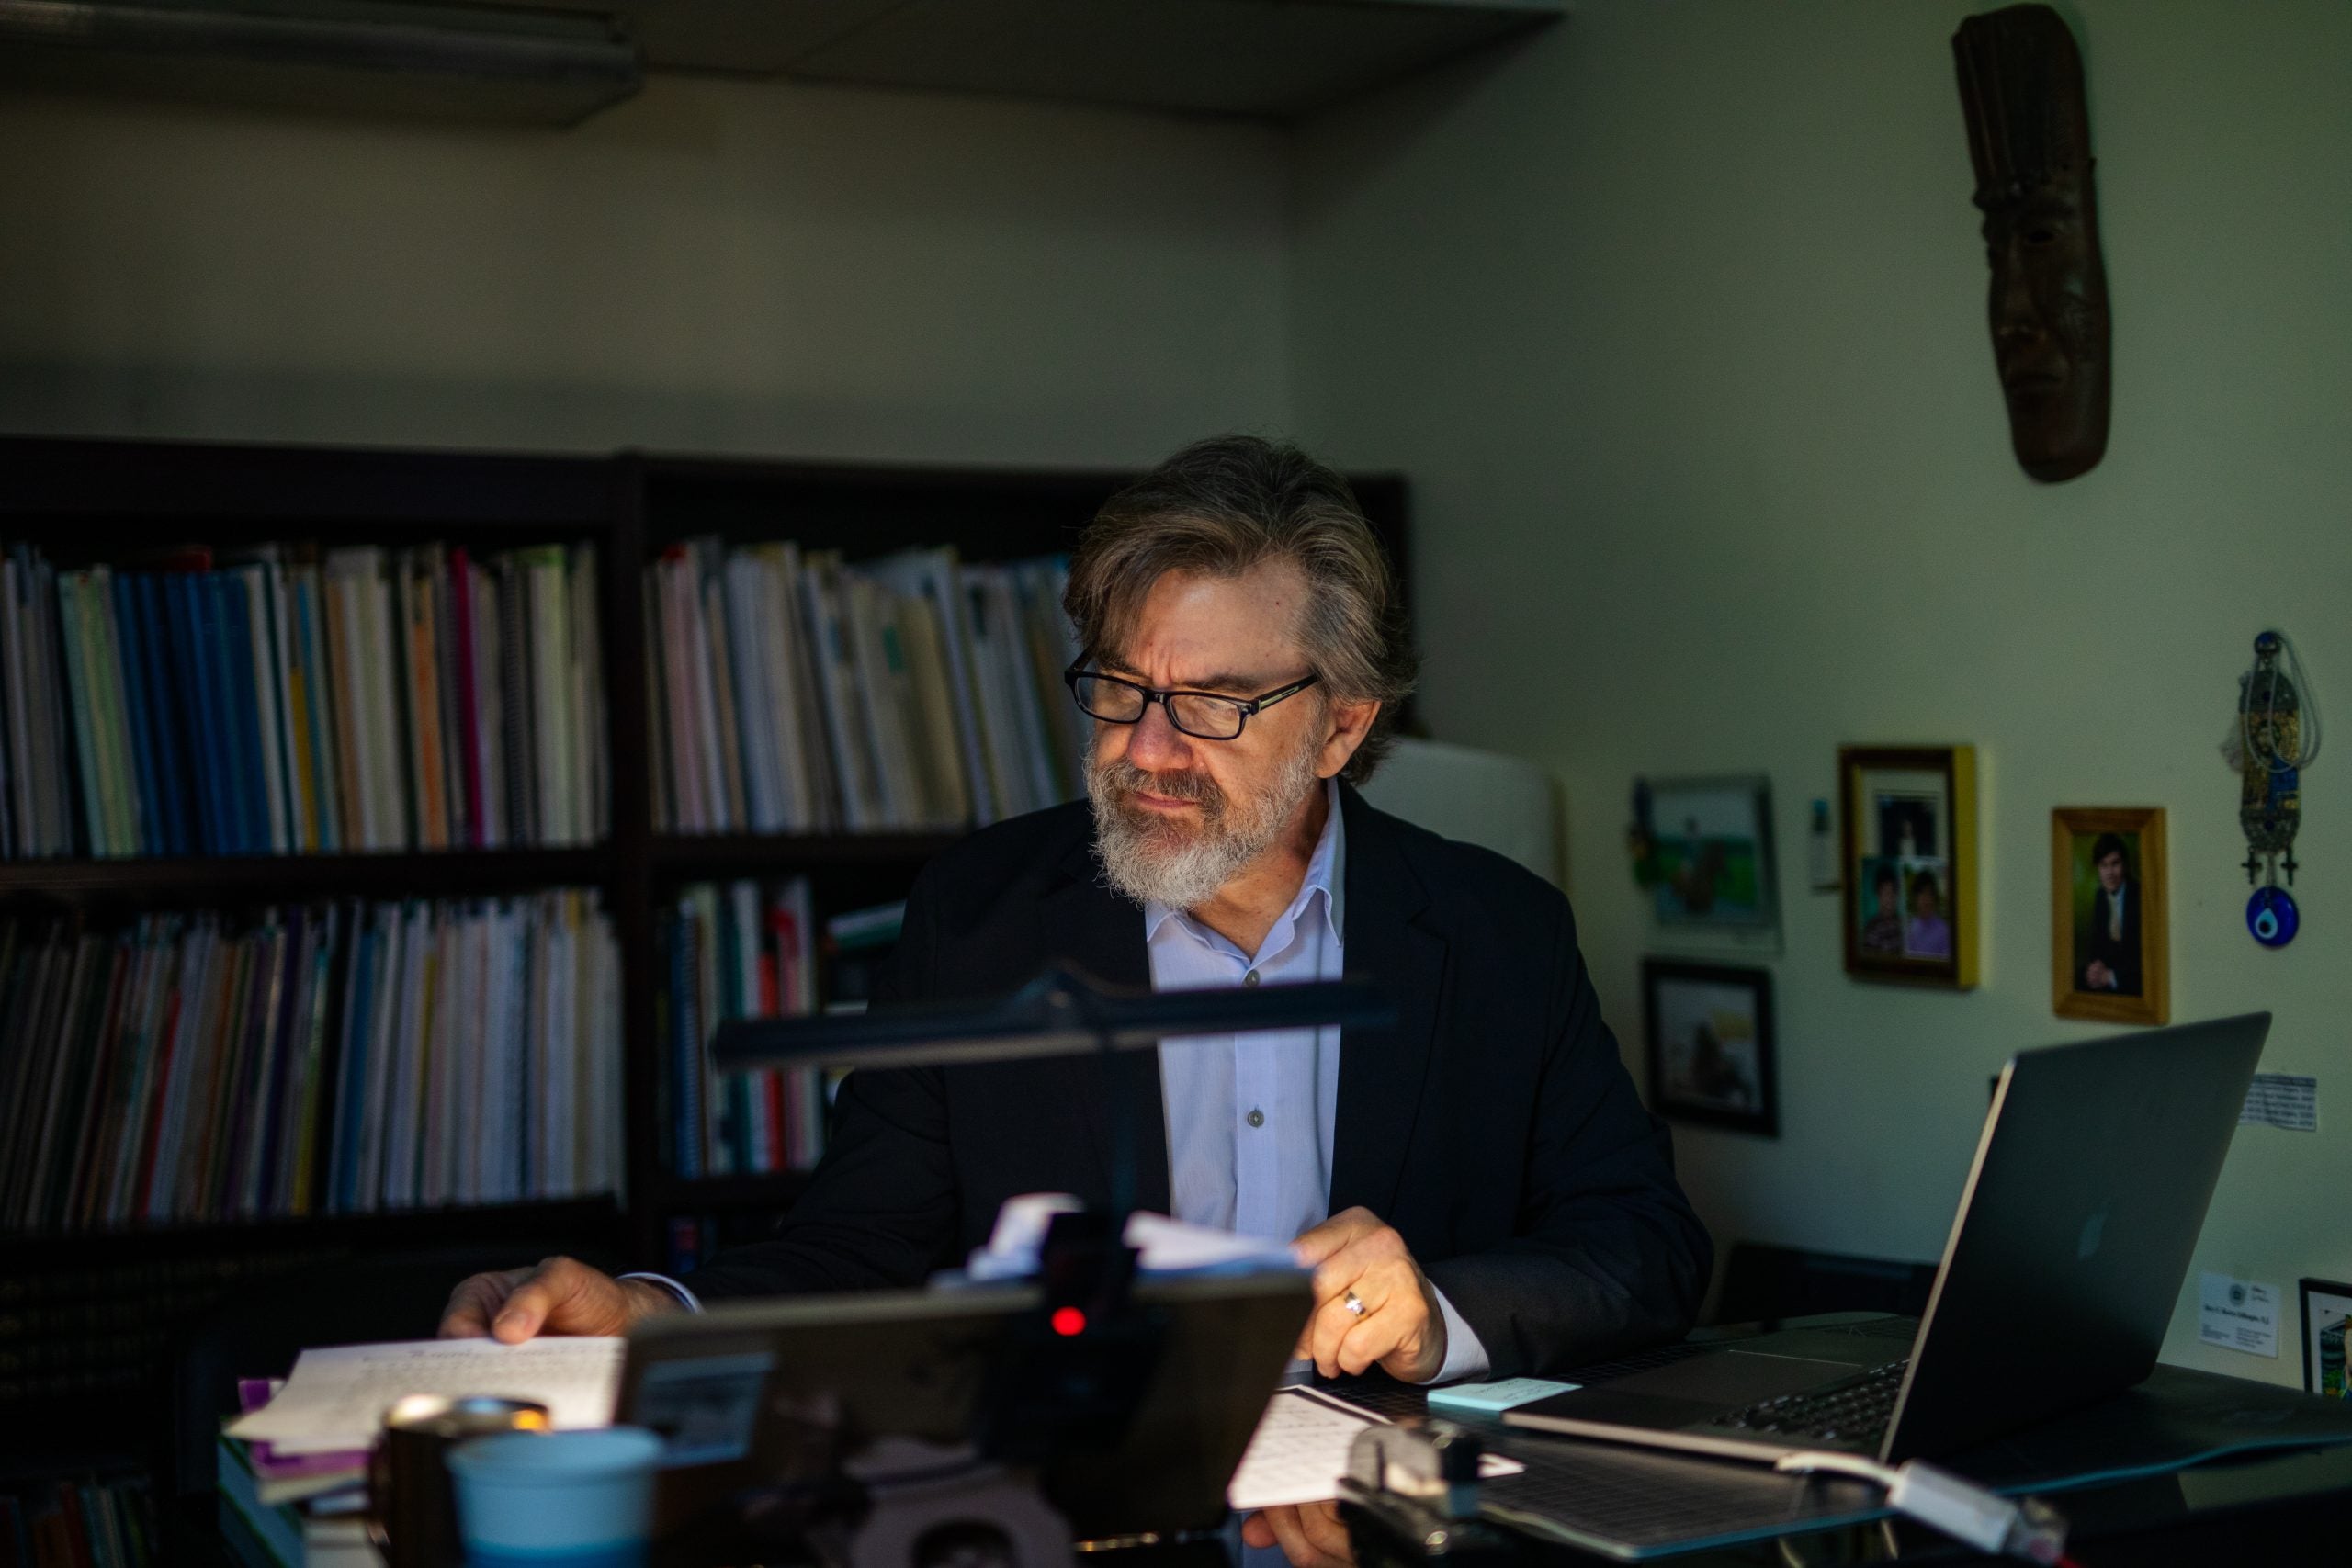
<point>336,1399</point>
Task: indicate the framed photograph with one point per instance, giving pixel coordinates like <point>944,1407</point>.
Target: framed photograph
<point>1712,840</point>
<point>2325,1307</point>
<point>1909,849</point>
<point>1711,1045</point>
<point>2109,947</point>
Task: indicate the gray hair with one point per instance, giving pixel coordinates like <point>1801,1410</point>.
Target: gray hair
<point>1222,506</point>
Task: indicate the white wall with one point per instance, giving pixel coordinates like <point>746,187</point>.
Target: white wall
<point>1677,320</point>
<point>715,266</point>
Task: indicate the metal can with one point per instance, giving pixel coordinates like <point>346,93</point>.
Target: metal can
<point>411,1510</point>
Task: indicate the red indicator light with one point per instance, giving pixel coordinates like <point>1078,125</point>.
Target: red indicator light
<point>1069,1322</point>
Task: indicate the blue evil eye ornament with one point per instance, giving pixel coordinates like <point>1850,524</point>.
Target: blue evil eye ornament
<point>2271,916</point>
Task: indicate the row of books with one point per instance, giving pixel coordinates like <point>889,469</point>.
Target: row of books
<point>283,700</point>
<point>339,1058</point>
<point>741,950</point>
<point>794,693</point>
<point>78,1524</point>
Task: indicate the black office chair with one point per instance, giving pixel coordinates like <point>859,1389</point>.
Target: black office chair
<point>258,1330</point>
<point>1763,1281</point>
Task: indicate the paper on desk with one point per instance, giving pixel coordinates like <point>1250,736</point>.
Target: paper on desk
<point>1165,1245</point>
<point>337,1397</point>
<point>1300,1451</point>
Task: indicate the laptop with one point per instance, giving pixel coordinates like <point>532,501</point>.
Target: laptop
<point>2090,1183</point>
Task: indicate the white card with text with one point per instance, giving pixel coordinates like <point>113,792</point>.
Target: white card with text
<point>2240,1313</point>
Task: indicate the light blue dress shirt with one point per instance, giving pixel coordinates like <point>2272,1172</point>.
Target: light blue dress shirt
<point>1251,1117</point>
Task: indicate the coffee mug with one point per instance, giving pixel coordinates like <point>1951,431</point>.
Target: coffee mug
<point>565,1500</point>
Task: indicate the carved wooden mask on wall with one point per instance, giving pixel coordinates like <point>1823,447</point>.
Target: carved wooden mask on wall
<point>2030,137</point>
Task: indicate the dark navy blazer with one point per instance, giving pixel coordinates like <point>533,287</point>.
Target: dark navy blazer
<point>1493,1126</point>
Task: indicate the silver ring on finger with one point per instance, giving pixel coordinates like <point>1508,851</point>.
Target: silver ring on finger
<point>1353,1302</point>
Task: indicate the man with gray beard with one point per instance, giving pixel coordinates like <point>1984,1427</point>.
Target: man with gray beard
<point>1478,1189</point>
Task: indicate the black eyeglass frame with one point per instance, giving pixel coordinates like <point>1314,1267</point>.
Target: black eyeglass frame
<point>1248,706</point>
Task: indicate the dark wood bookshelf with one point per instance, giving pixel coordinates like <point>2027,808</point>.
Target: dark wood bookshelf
<point>249,879</point>
<point>587,1218</point>
<point>760,854</point>
<point>110,500</point>
<point>296,489</point>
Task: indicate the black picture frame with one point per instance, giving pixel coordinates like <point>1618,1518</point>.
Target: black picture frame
<point>1745,1069</point>
<point>2305,1289</point>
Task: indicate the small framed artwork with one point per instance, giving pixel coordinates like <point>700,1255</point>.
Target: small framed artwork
<point>2109,947</point>
<point>1711,1045</point>
<point>1909,849</point>
<point>1712,844</point>
<point>2325,1307</point>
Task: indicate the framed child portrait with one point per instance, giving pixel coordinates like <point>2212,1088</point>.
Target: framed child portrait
<point>1910,858</point>
<point>2109,946</point>
<point>1711,1045</point>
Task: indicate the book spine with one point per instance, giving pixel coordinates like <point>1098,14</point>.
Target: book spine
<point>489,714</point>
<point>232,674</point>
<point>122,807</point>
<point>79,703</point>
<point>298,832</point>
<point>168,718</point>
<point>129,639</point>
<point>470,738</point>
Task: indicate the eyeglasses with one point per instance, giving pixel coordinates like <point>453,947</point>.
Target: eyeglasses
<point>1203,716</point>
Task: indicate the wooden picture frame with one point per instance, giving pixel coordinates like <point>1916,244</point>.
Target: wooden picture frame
<point>1909,824</point>
<point>2110,963</point>
<point>1709,1028</point>
<point>2327,1306</point>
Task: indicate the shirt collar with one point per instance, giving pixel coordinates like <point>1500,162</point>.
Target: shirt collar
<point>1325,874</point>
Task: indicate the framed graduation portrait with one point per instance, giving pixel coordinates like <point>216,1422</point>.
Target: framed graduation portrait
<point>2108,945</point>
<point>1910,862</point>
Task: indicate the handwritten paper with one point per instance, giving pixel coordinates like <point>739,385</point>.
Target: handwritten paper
<point>336,1398</point>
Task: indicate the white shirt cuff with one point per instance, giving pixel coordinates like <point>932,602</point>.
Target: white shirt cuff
<point>687,1299</point>
<point>1465,1357</point>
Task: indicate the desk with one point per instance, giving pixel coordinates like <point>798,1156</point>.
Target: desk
<point>2279,1505</point>
<point>2288,1508</point>
<point>2285,1507</point>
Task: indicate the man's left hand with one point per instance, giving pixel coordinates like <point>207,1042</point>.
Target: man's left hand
<point>1399,1330</point>
<point>1310,1534</point>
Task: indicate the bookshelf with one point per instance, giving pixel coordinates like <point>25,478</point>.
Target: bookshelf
<point>98,501</point>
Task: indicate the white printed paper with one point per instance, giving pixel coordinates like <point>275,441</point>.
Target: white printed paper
<point>2282,1100</point>
<point>337,1397</point>
<point>1166,1246</point>
<point>1300,1451</point>
<point>2240,1315</point>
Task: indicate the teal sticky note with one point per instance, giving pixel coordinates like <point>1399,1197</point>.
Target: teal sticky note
<point>1493,1398</point>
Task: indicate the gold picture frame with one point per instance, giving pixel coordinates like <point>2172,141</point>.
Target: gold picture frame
<point>1909,825</point>
<point>2110,937</point>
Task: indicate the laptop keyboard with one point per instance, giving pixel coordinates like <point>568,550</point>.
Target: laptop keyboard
<point>1852,1411</point>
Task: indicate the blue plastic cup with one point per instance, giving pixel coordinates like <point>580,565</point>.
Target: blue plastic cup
<point>562,1500</point>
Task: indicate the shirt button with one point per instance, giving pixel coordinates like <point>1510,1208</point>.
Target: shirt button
<point>1257,1118</point>
<point>1251,978</point>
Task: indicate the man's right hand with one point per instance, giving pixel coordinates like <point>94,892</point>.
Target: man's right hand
<point>559,1296</point>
